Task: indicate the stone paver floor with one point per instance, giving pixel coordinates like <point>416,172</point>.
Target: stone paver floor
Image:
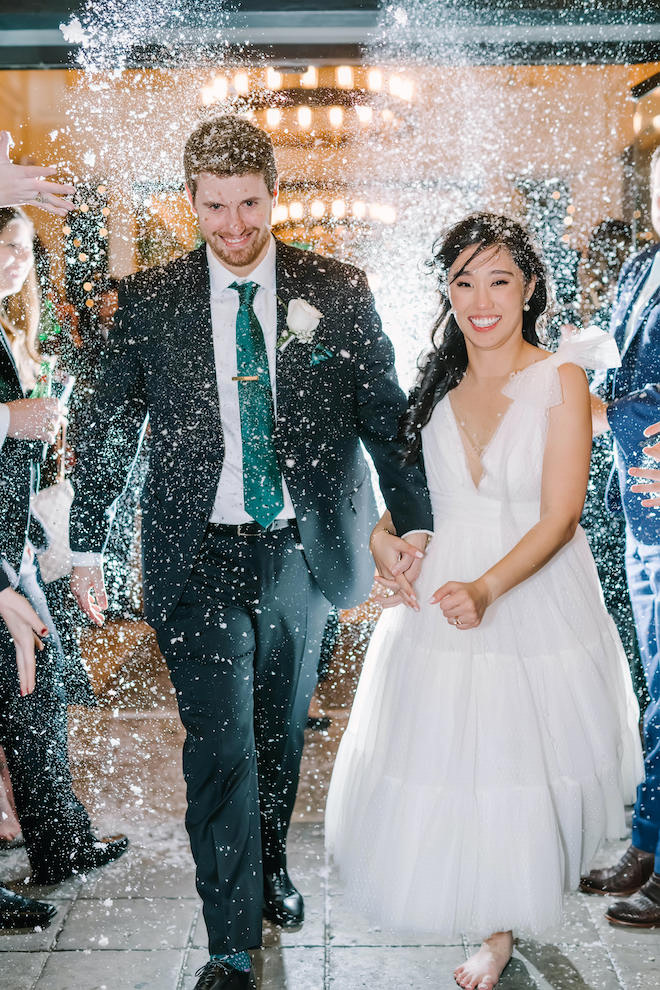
<point>136,925</point>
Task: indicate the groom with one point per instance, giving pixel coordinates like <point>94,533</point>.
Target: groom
<point>262,369</point>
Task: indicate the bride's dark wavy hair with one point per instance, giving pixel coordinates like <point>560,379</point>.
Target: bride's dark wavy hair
<point>442,368</point>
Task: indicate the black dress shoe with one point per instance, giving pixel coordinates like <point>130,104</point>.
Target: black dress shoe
<point>642,910</point>
<point>624,878</point>
<point>217,976</point>
<point>99,853</point>
<point>23,912</point>
<point>283,904</point>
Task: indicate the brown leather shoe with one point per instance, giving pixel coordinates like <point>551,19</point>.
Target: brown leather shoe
<point>630,873</point>
<point>642,910</point>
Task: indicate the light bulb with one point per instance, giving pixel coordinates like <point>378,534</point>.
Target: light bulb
<point>273,79</point>
<point>296,210</point>
<point>273,116</point>
<point>304,116</point>
<point>375,80</point>
<point>338,208</point>
<point>336,116</point>
<point>220,87</point>
<point>310,78</point>
<point>242,83</point>
<point>317,209</point>
<point>344,76</point>
<point>364,114</point>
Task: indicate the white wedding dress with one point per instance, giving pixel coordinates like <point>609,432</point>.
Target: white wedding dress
<point>482,768</point>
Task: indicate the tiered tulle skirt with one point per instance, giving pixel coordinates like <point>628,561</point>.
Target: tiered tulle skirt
<point>481,769</point>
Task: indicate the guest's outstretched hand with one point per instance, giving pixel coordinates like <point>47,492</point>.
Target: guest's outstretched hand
<point>36,419</point>
<point>28,185</point>
<point>650,476</point>
<point>25,628</point>
<point>463,603</point>
<point>88,588</point>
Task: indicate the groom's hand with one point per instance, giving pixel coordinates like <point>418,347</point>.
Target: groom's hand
<point>398,563</point>
<point>88,588</point>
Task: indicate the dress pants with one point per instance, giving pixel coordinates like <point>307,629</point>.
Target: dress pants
<point>643,569</point>
<point>242,648</point>
<point>33,732</point>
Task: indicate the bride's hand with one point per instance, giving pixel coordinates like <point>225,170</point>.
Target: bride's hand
<point>463,603</point>
<point>396,591</point>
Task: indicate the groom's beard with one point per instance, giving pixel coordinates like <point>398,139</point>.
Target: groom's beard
<point>239,257</point>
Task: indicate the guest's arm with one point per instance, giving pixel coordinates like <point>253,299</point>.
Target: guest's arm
<point>27,185</point>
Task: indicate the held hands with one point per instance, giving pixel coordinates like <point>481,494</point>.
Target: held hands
<point>651,484</point>
<point>463,603</point>
<point>35,419</point>
<point>398,563</point>
<point>26,185</point>
<point>88,588</point>
<point>25,627</point>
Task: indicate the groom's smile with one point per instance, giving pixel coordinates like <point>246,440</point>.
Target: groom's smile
<point>233,212</point>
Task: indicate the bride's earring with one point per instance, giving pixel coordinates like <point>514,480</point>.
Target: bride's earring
<point>526,307</point>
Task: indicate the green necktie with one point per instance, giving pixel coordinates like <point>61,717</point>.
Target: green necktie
<point>262,480</point>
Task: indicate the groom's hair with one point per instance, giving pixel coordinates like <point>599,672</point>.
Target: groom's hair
<point>229,145</point>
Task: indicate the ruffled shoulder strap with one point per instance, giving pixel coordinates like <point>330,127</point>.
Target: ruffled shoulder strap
<point>539,384</point>
<point>591,348</point>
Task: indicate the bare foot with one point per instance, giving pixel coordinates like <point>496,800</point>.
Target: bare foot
<point>483,969</point>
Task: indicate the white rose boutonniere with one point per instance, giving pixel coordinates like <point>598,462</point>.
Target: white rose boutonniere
<point>302,320</point>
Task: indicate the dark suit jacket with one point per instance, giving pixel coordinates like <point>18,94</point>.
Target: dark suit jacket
<point>19,472</point>
<point>160,362</point>
<point>633,398</point>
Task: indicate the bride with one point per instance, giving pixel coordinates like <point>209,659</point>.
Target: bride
<point>493,739</point>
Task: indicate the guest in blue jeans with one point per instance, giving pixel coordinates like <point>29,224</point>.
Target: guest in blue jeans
<point>632,404</point>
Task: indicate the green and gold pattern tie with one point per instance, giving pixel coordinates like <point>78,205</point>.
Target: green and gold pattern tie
<point>262,480</point>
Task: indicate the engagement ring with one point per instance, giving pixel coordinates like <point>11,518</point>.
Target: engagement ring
<point>457,622</point>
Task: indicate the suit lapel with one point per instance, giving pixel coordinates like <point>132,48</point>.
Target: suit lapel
<point>292,280</point>
<point>192,340</point>
<point>622,327</point>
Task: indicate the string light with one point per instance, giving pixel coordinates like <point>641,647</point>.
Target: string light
<point>296,210</point>
<point>344,75</point>
<point>359,209</point>
<point>280,214</point>
<point>317,209</point>
<point>273,79</point>
<point>273,116</point>
<point>387,115</point>
<point>242,83</point>
<point>336,116</point>
<point>338,208</point>
<point>375,80</point>
<point>364,114</point>
<point>310,78</point>
<point>637,122</point>
<point>656,122</point>
<point>304,116</point>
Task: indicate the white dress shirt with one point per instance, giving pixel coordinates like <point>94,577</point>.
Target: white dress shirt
<point>229,507</point>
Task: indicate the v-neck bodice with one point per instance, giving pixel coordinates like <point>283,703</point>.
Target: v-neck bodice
<point>512,462</point>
